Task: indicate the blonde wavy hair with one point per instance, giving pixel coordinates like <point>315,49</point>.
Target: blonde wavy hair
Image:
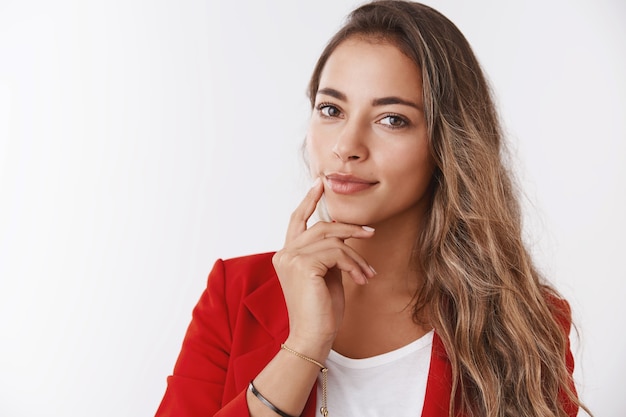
<point>504,329</point>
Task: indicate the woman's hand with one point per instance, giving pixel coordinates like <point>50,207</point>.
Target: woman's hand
<point>310,268</point>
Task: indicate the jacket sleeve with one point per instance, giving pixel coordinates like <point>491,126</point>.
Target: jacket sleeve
<point>197,385</point>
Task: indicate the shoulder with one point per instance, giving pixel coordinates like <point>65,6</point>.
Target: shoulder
<point>260,262</point>
<point>560,309</point>
<point>251,269</point>
<point>243,275</point>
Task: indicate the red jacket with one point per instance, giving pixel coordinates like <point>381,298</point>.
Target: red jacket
<point>237,328</point>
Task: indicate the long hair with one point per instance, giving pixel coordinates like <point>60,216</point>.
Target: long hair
<point>505,331</point>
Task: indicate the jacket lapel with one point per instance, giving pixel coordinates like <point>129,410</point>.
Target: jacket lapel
<point>267,306</point>
<point>262,328</point>
<point>437,398</point>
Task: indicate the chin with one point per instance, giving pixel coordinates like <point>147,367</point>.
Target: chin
<point>349,216</point>
<point>351,212</point>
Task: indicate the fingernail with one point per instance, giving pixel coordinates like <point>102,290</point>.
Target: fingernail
<point>373,270</point>
<point>367,281</point>
<point>368,229</point>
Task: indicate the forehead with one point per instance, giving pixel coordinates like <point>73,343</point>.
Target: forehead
<point>371,66</point>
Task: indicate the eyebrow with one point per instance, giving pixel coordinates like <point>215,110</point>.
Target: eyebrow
<point>333,93</point>
<point>382,101</point>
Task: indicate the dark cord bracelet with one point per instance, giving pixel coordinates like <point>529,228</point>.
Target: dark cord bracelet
<point>266,402</point>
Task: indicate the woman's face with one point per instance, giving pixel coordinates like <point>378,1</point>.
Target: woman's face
<point>367,136</point>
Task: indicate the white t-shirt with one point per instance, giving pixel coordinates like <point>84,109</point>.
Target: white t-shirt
<point>391,384</point>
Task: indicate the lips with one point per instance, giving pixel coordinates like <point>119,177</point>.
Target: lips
<point>347,184</point>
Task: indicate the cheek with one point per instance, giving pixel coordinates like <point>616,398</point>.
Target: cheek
<point>312,154</point>
<point>419,167</point>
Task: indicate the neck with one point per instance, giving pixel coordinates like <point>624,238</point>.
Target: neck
<point>378,317</point>
<point>391,253</point>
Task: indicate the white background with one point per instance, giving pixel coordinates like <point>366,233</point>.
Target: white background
<point>141,140</point>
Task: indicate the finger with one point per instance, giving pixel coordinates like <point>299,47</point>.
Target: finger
<point>297,222</point>
<point>336,291</point>
<point>345,262</point>
<point>322,230</point>
<point>351,261</point>
<point>326,235</point>
<point>343,231</point>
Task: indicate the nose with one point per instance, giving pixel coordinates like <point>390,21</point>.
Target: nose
<point>350,144</point>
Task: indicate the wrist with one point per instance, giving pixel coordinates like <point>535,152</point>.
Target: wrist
<point>314,349</point>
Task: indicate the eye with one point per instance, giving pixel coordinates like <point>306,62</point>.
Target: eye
<point>394,121</point>
<point>328,110</point>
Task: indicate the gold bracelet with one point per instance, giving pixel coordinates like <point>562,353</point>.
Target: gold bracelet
<point>324,370</point>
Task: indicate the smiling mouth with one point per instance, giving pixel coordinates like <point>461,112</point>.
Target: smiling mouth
<point>347,184</point>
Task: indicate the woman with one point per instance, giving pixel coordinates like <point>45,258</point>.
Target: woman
<point>417,297</point>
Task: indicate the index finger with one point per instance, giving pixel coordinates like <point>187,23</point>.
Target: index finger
<point>302,213</point>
